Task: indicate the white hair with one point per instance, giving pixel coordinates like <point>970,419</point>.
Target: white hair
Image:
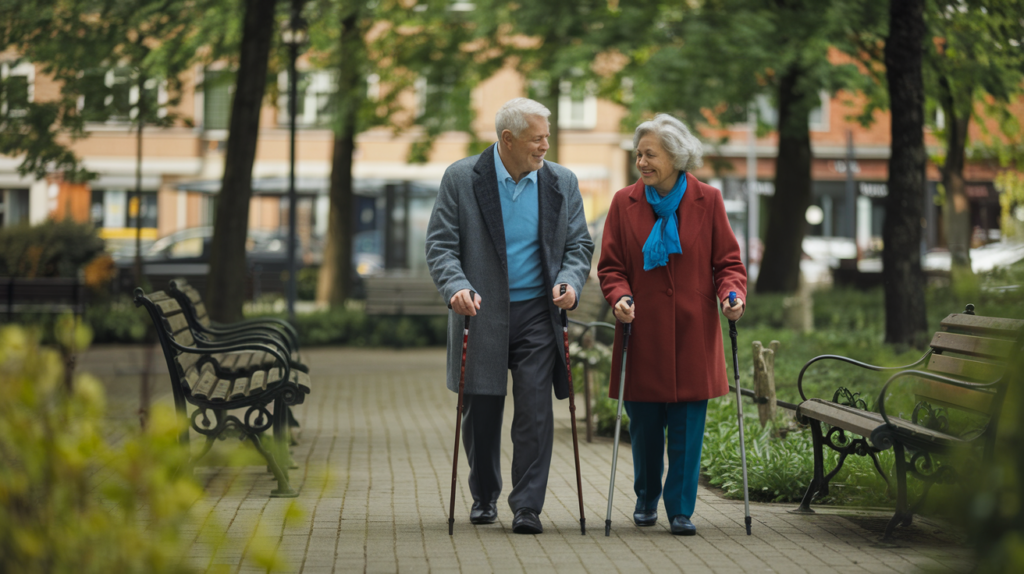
<point>686,150</point>
<point>512,116</point>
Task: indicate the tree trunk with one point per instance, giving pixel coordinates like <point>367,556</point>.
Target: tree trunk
<point>550,100</point>
<point>780,266</point>
<point>335,279</point>
<point>226,281</point>
<point>905,318</point>
<point>956,208</point>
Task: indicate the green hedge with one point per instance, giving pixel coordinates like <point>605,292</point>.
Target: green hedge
<point>50,249</point>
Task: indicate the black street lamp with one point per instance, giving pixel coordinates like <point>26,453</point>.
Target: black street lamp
<point>293,35</point>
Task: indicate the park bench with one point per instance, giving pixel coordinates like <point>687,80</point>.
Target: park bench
<point>263,329</point>
<point>21,295</point>
<point>198,379</point>
<point>403,295</point>
<point>956,390</point>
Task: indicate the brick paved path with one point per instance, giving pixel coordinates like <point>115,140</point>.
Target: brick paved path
<point>375,472</point>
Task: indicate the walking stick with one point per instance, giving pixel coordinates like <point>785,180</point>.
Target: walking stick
<point>458,420</point>
<point>739,414</point>
<point>627,328</point>
<point>572,411</point>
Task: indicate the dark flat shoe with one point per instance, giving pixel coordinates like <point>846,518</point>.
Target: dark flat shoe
<point>645,517</point>
<point>483,513</point>
<point>681,526</point>
<point>526,521</point>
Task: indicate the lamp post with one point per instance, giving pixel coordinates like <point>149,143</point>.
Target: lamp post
<point>293,35</point>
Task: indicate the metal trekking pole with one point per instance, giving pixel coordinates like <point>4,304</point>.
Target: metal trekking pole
<point>739,414</point>
<point>572,411</point>
<point>458,420</point>
<point>627,328</point>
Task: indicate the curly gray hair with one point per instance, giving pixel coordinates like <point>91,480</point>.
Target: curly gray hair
<point>512,116</point>
<point>686,150</point>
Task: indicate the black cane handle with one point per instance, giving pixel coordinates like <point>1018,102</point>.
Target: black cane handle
<point>627,328</point>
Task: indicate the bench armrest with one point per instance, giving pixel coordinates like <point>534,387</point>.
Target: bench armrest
<point>800,379</point>
<point>259,336</point>
<point>931,377</point>
<point>269,323</point>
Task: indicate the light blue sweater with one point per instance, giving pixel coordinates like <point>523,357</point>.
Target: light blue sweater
<point>519,213</point>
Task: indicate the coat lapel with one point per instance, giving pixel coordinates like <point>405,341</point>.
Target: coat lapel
<point>549,202</point>
<point>691,213</point>
<point>485,186</point>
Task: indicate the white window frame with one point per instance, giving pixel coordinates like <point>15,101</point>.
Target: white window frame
<point>25,69</point>
<point>565,107</point>
<point>321,82</point>
<point>825,107</point>
<point>133,98</point>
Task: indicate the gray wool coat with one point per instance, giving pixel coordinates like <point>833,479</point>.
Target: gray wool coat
<point>466,250</point>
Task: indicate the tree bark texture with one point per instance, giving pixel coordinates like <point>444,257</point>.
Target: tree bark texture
<point>335,280</point>
<point>780,266</point>
<point>228,269</point>
<point>905,317</point>
<point>956,209</point>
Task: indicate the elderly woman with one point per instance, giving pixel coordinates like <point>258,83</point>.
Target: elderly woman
<point>669,250</point>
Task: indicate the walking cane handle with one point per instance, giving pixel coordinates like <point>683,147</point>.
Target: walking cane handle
<point>627,328</point>
<point>732,298</point>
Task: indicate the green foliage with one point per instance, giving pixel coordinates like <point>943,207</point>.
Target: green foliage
<point>1011,202</point>
<point>57,514</point>
<point>117,320</point>
<point>352,327</point>
<point>50,249</point>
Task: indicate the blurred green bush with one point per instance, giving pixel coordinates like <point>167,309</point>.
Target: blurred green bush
<point>57,513</point>
<point>50,249</point>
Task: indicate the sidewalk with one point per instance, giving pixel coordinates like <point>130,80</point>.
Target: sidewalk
<point>375,474</point>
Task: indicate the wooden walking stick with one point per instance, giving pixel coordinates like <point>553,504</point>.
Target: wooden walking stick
<point>627,329</point>
<point>458,421</point>
<point>572,411</point>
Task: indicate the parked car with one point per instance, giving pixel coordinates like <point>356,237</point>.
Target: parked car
<point>186,254</point>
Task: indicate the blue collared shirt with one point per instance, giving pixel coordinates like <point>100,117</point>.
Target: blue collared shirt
<point>521,216</point>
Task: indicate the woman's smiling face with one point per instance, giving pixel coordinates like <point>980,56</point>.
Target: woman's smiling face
<point>655,164</point>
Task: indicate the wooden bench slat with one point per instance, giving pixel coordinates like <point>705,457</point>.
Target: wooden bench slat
<point>187,360</point>
<point>206,381</point>
<point>958,367</point>
<point>240,388</point>
<point>864,422</point>
<point>257,383</point>
<point>169,307</point>
<point>983,325</point>
<point>220,391</point>
<point>971,345</point>
<point>948,396</point>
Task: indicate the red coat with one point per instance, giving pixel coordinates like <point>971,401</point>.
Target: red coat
<point>675,350</point>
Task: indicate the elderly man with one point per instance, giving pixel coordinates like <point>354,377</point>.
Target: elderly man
<point>510,228</point>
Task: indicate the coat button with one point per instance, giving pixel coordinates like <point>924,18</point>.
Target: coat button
<point>669,292</point>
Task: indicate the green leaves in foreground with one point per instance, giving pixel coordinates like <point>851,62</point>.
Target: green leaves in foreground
<point>69,500</point>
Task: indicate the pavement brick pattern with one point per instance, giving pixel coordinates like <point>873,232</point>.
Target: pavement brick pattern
<point>374,469</point>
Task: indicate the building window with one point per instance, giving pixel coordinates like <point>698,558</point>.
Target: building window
<point>119,208</point>
<point>17,84</point>
<point>577,109</point>
<point>112,95</point>
<point>314,91</point>
<point>218,90</point>
<point>13,206</point>
<point>817,119</point>
<point>439,103</point>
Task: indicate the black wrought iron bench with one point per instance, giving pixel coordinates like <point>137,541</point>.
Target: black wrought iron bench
<point>263,329</point>
<point>197,378</point>
<point>956,390</point>
<point>403,295</point>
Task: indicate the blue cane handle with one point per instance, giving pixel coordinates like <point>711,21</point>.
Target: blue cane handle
<point>732,298</point>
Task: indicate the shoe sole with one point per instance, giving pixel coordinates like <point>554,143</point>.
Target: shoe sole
<point>527,530</point>
<point>483,520</point>
<point>645,523</point>
<point>686,533</point>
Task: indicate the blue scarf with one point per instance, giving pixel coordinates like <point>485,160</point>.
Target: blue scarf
<point>664,238</point>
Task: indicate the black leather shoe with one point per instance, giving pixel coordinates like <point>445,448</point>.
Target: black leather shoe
<point>483,513</point>
<point>681,526</point>
<point>526,521</point>
<point>645,517</point>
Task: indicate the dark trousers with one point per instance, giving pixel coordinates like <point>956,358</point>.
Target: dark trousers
<point>532,355</point>
<point>685,424</point>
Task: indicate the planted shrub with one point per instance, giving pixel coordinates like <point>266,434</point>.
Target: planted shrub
<point>50,249</point>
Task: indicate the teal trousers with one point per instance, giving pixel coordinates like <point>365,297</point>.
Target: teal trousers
<point>684,423</point>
